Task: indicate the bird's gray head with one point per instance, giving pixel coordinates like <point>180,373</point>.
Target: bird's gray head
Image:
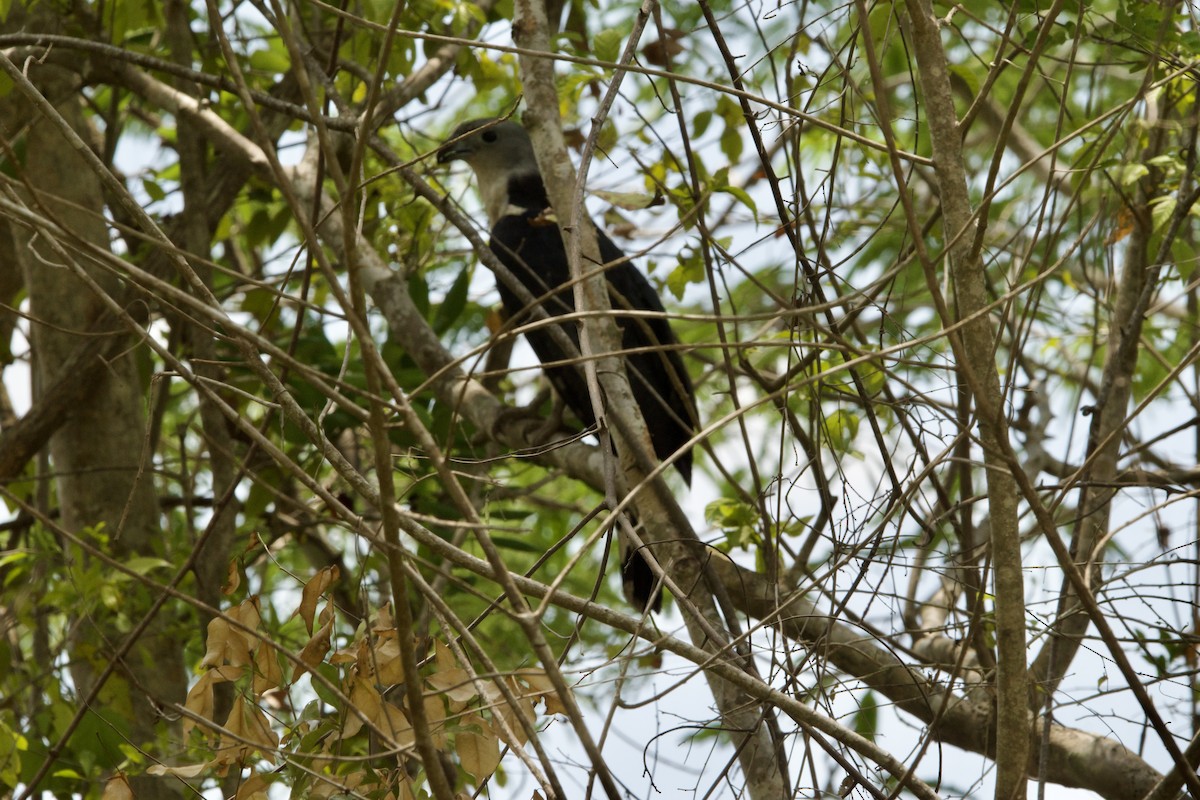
<point>497,151</point>
<point>488,142</point>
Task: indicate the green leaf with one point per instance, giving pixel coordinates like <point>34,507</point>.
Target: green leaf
<point>841,427</point>
<point>607,44</point>
<point>743,198</point>
<point>1132,173</point>
<point>738,521</point>
<point>418,290</point>
<point>518,545</point>
<point>866,720</point>
<point>731,143</point>
<point>1162,209</point>
<point>272,59</point>
<point>731,138</point>
<point>152,189</point>
<point>11,745</point>
<point>689,270</point>
<point>630,201</point>
<point>143,565</point>
<point>454,302</point>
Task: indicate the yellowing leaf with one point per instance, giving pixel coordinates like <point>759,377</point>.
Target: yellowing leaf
<point>1132,173</point>
<point>143,565</point>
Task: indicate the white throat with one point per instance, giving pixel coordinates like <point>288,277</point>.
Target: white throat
<point>493,190</point>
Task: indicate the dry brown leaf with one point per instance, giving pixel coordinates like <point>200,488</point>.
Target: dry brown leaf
<point>339,786</point>
<point>542,687</point>
<point>248,613</point>
<point>502,708</point>
<point>554,704</point>
<point>661,51</point>
<point>1124,226</point>
<point>217,644</point>
<point>395,725</point>
<point>364,698</point>
<point>450,679</point>
<point>247,730</point>
<point>383,620</point>
<point>253,788</point>
<point>199,701</point>
<point>317,647</point>
<point>200,697</point>
<point>267,672</point>
<point>313,591</point>
<point>443,656</point>
<point>227,642</point>
<point>479,753</point>
<point>382,661</point>
<point>362,655</point>
<point>388,666</point>
<point>492,694</point>
<point>536,679</point>
<point>188,771</point>
<point>435,715</point>
<point>456,685</point>
<point>345,656</point>
<point>117,788</point>
<point>233,578</point>
<point>512,716</point>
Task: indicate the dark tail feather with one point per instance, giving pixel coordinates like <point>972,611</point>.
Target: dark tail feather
<point>642,589</point>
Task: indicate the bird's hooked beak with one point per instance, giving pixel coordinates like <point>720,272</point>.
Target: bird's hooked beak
<point>470,139</point>
<point>454,151</point>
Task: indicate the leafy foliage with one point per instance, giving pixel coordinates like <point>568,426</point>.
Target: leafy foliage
<point>260,420</point>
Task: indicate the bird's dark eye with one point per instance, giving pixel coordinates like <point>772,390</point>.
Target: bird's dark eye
<point>489,136</point>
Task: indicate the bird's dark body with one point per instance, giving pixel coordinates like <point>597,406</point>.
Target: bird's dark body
<point>530,246</point>
<point>533,252</point>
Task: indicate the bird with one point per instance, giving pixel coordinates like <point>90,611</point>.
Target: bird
<point>528,243</point>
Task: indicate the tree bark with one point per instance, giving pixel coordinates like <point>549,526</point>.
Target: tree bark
<point>102,476</point>
<point>975,350</point>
